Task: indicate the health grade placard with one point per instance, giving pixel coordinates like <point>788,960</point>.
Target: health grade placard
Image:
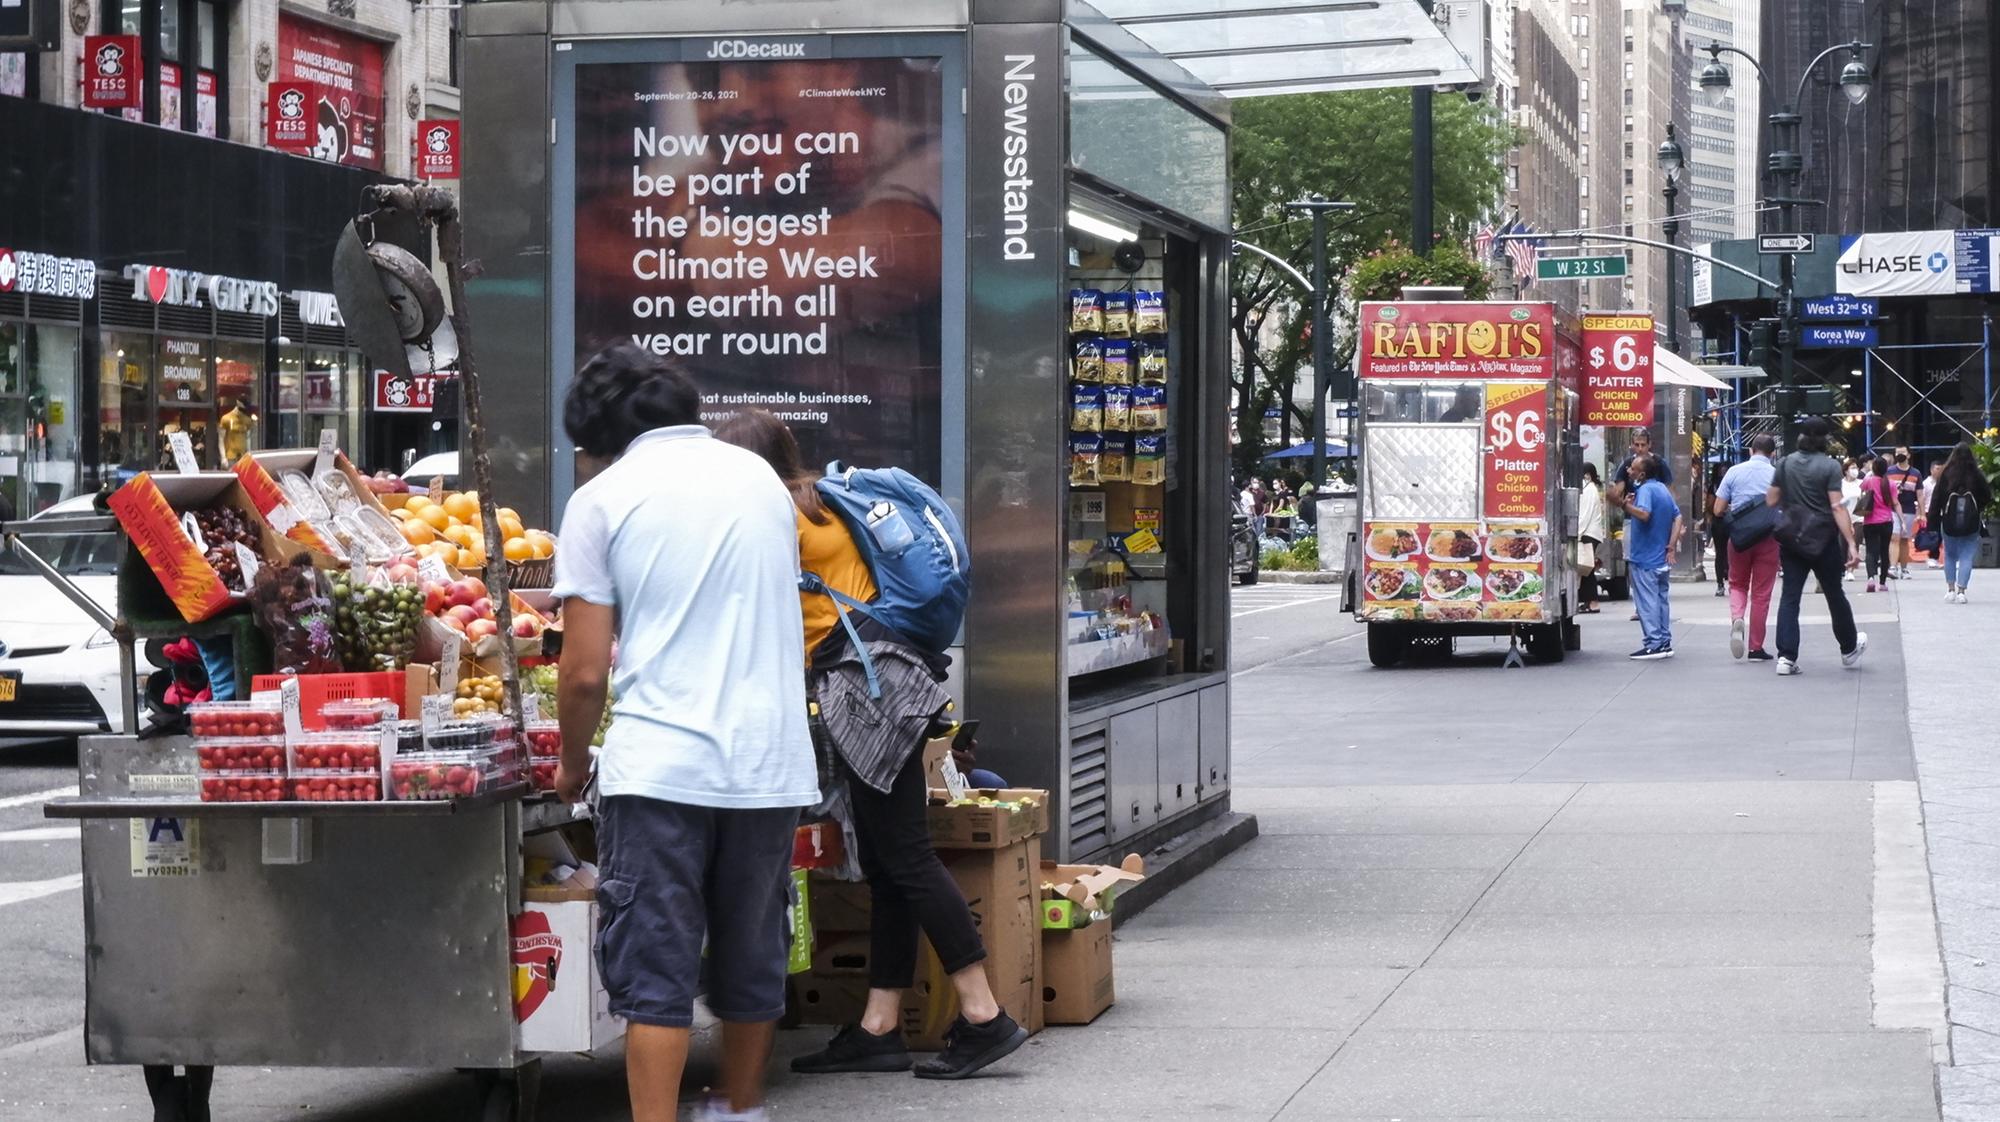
<point>1516,464</point>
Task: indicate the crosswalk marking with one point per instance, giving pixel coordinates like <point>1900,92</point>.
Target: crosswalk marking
<point>42,833</point>
<point>36,796</point>
<point>25,890</point>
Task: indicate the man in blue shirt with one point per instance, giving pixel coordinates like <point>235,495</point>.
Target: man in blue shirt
<point>1652,534</point>
<point>1753,572</point>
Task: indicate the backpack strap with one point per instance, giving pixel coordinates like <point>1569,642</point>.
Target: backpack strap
<point>811,582</point>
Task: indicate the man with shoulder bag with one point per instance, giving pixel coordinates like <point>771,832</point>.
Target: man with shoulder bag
<point>1741,506</point>
<point>1815,538</point>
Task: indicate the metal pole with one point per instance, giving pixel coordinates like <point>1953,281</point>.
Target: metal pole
<point>1868,398</point>
<point>1672,229</point>
<point>1421,142</point>
<point>1322,353</point>
<point>1986,360</point>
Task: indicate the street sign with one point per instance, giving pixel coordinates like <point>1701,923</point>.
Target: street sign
<point>1839,307</point>
<point>1811,336</point>
<point>1579,268</point>
<point>1784,243</point>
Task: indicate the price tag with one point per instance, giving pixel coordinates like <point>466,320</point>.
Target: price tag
<point>248,563</point>
<point>283,517</point>
<point>192,527</point>
<point>183,449</point>
<point>329,442</point>
<point>357,564</point>
<point>432,570</point>
<point>954,780</point>
<point>437,710</point>
<point>454,651</point>
<point>531,706</point>
<point>288,695</point>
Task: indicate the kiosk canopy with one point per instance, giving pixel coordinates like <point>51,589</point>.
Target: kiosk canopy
<point>1255,48</point>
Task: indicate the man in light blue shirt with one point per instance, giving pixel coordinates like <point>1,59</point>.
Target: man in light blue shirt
<point>1753,572</point>
<point>1652,534</point>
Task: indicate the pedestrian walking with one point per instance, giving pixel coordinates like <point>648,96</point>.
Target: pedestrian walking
<point>1753,566</point>
<point>1877,509</point>
<point>1621,479</point>
<point>1591,533</point>
<point>683,551</point>
<point>1718,531</point>
<point>1815,539</point>
<point>1850,497</point>
<point>1908,482</point>
<point>1652,535</point>
<point>1958,508</point>
<point>876,742</point>
<point>1929,539</point>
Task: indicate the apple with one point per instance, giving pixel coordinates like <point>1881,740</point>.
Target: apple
<point>463,613</point>
<point>527,627</point>
<point>454,623</point>
<point>480,629</point>
<point>477,586</point>
<point>433,598</point>
<point>484,606</point>
<point>402,572</point>
<point>464,591</point>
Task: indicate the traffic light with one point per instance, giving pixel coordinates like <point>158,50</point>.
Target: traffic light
<point>1761,348</point>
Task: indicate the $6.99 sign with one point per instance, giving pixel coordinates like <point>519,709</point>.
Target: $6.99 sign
<point>1516,466</point>
<point>1617,370</point>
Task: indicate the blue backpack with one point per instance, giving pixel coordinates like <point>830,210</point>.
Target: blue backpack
<point>914,548</point>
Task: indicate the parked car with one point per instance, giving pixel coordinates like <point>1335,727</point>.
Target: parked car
<point>438,464</point>
<point>62,666</point>
<point>1244,555</point>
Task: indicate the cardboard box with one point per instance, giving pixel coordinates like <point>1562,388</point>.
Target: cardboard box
<point>840,907</point>
<point>1000,888</point>
<point>971,826</point>
<point>262,487</point>
<point>1076,974</point>
<point>835,990</point>
<point>1074,895</point>
<point>150,508</point>
<point>559,1000</point>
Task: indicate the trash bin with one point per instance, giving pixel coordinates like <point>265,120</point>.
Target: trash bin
<point>1989,548</point>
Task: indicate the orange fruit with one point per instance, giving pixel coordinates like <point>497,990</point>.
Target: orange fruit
<point>510,525</point>
<point>416,531</point>
<point>542,544</point>
<point>435,517</point>
<point>460,536</point>
<point>462,506</point>
<point>472,558</point>
<point>518,549</point>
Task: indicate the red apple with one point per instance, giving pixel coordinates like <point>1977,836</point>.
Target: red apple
<point>454,623</point>
<point>478,586</point>
<point>527,627</point>
<point>480,629</point>
<point>464,591</point>
<point>433,599</point>
<point>463,613</point>
<point>484,606</point>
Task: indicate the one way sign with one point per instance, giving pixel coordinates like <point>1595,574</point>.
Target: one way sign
<point>1784,243</point>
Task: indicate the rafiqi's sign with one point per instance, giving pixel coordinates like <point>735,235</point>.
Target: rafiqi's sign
<point>1457,339</point>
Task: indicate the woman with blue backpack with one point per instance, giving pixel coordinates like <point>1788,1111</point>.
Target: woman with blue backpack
<point>1958,509</point>
<point>882,587</point>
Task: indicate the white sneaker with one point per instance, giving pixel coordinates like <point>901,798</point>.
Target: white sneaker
<point>717,1110</point>
<point>1786,667</point>
<point>1852,659</point>
<point>1934,563</point>
<point>1738,630</point>
<point>1961,596</point>
<point>1951,595</point>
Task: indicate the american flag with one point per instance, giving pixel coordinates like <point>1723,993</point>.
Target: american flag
<point>1482,242</point>
<point>1521,251</point>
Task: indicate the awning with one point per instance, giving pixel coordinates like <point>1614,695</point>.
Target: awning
<point>1334,450</point>
<point>1255,48</point>
<point>1670,369</point>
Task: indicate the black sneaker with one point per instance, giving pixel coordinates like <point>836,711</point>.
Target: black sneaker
<point>854,1048</point>
<point>1759,655</point>
<point>969,1047</point>
<point>1650,654</point>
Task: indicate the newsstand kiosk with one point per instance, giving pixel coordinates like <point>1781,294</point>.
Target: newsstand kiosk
<point>987,245</point>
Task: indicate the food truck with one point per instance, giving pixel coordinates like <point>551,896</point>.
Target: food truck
<point>1469,467</point>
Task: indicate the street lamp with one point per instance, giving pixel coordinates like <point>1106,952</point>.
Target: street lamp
<point>1787,162</point>
<point>1672,160</point>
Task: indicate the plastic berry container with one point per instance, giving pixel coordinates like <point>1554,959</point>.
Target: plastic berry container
<point>241,754</point>
<point>359,713</point>
<point>243,787</point>
<point>440,775</point>
<point>409,738</point>
<point>461,736</point>
<point>544,739</point>
<point>359,750</point>
<point>542,773</point>
<point>332,785</point>
<point>218,719</point>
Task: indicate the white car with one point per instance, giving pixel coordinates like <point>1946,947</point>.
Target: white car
<point>64,668</point>
<point>419,475</point>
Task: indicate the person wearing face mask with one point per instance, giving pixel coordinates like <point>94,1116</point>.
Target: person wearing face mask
<point>1850,496</point>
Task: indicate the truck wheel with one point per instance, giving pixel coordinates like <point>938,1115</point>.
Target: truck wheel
<point>1386,644</point>
<point>1618,588</point>
<point>1251,576</point>
<point>1545,642</point>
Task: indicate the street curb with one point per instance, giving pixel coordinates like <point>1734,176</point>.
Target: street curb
<point>1272,576</point>
<point>1184,858</point>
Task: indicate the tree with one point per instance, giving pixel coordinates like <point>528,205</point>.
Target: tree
<point>1353,146</point>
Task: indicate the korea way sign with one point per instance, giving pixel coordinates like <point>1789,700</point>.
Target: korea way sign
<point>1831,336</point>
<point>1839,307</point>
<point>1580,268</point>
<point>1784,243</point>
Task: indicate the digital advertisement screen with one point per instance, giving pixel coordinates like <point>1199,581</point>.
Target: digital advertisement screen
<point>775,227</point>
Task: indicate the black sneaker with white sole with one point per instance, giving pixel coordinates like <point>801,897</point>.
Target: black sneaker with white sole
<point>1759,655</point>
<point>854,1048</point>
<point>1649,654</point>
<point>969,1047</point>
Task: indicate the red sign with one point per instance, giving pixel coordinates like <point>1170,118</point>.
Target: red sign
<point>1517,463</point>
<point>344,117</point>
<point>1466,340</point>
<point>287,116</point>
<point>112,72</point>
<point>437,149</point>
<point>396,394</point>
<point>1617,370</point>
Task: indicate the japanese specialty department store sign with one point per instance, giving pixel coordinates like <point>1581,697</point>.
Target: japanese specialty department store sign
<point>1457,339</point>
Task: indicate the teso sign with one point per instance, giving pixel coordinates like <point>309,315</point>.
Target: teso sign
<point>111,72</point>
<point>287,119</point>
<point>1617,370</point>
<point>397,394</point>
<point>437,149</point>
<point>1457,339</point>
<point>189,288</point>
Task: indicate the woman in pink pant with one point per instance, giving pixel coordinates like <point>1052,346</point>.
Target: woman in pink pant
<point>1754,570</point>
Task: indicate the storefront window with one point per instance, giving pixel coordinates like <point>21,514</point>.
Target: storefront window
<point>50,469</point>
<point>184,398</point>
<point>238,410</point>
<point>332,399</point>
<point>124,410</point>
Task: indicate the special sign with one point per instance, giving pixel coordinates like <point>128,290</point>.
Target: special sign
<point>1617,369</point>
<point>1457,339</point>
<point>1516,466</point>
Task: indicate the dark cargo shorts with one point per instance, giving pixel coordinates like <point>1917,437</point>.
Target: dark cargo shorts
<point>672,873</point>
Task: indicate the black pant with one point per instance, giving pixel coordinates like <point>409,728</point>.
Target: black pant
<point>1829,567</point>
<point>908,885</point>
<point>1875,539</point>
<point>1587,589</point>
<point>1719,537</point>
